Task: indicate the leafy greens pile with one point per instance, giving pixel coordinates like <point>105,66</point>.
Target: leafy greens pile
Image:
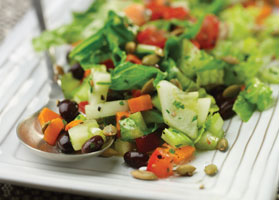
<point>243,54</point>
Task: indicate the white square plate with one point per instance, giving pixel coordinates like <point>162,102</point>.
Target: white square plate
<point>247,171</point>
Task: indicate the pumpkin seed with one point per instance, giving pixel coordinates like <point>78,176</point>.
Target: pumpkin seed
<point>45,125</point>
<point>177,31</point>
<point>231,91</point>
<point>148,87</point>
<point>109,153</point>
<point>211,169</point>
<point>59,70</point>
<point>231,60</point>
<point>144,175</point>
<point>110,130</point>
<point>224,31</point>
<point>151,59</point>
<point>275,33</point>
<point>185,170</point>
<point>222,145</point>
<point>130,47</point>
<point>176,83</point>
<point>159,52</point>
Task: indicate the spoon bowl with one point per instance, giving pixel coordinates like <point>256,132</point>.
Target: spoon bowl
<point>30,134</point>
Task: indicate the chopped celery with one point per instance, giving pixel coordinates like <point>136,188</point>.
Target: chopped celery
<point>81,93</point>
<point>208,141</point>
<point>156,102</point>
<point>270,74</point>
<point>68,84</point>
<point>214,124</point>
<point>176,138</point>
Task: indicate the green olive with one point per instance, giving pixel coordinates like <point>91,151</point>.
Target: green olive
<point>130,47</point>
<point>151,59</point>
<point>222,145</point>
<point>211,169</point>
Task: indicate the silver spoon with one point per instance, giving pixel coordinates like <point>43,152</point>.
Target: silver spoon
<point>29,130</point>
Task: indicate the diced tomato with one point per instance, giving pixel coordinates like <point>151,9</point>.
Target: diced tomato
<point>175,13</point>
<point>160,163</point>
<point>81,106</point>
<point>108,63</point>
<point>148,142</point>
<point>152,36</point>
<point>208,35</point>
<point>136,12</point>
<point>132,58</point>
<point>136,93</point>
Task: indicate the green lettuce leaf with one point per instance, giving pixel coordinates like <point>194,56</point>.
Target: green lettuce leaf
<point>106,42</point>
<point>256,96</point>
<point>243,108</point>
<point>128,76</point>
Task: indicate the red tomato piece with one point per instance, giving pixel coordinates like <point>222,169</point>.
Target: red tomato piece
<point>152,36</point>
<point>132,58</point>
<point>148,142</point>
<point>160,163</point>
<point>208,35</point>
<point>108,63</point>
<point>175,13</point>
<point>81,106</point>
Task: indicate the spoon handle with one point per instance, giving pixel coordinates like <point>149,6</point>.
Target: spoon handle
<point>49,54</point>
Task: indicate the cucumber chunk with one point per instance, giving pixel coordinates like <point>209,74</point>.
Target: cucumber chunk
<point>176,138</point>
<point>214,124</point>
<point>203,109</point>
<point>132,127</point>
<point>81,133</point>
<point>101,110</point>
<point>179,109</point>
<point>101,83</point>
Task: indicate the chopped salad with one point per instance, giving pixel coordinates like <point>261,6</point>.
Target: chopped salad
<point>161,77</point>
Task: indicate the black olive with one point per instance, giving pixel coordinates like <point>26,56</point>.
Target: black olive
<point>77,71</point>
<point>68,109</point>
<point>64,143</point>
<point>93,144</point>
<point>136,159</point>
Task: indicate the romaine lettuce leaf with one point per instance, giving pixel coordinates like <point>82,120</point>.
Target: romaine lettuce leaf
<point>107,41</point>
<point>243,108</point>
<point>256,96</point>
<point>128,76</point>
